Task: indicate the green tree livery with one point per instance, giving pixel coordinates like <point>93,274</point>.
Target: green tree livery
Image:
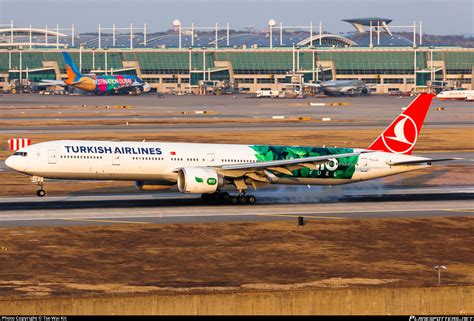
<point>345,169</point>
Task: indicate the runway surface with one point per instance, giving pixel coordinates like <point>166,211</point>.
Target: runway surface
<point>361,201</point>
<point>362,112</point>
<point>273,204</point>
<point>208,214</point>
<point>225,127</point>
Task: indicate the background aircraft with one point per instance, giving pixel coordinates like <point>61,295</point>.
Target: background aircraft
<point>341,87</point>
<point>107,84</point>
<point>456,94</point>
<point>345,87</point>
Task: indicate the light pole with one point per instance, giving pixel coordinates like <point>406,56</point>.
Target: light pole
<point>131,35</point>
<point>93,58</point>
<point>10,58</point>
<point>297,58</point>
<point>271,24</point>
<point>100,38</point>
<point>432,72</point>
<point>72,35</point>
<point>105,61</point>
<point>21,69</point>
<point>113,35</point>
<point>177,25</point>
<point>281,34</point>
<point>371,43</point>
<point>204,64</point>
<point>190,62</point>
<point>293,59</point>
<point>439,268</point>
<point>217,31</point>
<point>81,47</point>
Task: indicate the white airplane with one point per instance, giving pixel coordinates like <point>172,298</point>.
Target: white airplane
<point>456,94</point>
<point>207,169</point>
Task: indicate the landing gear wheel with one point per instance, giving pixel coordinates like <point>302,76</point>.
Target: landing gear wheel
<point>215,197</point>
<point>251,199</point>
<point>242,199</point>
<point>40,192</point>
<point>224,196</point>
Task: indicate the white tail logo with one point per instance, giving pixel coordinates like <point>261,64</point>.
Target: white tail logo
<point>398,143</point>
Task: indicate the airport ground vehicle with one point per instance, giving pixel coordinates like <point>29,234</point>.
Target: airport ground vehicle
<point>267,93</point>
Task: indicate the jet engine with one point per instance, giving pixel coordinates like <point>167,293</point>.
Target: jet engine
<point>200,180</point>
<point>152,186</point>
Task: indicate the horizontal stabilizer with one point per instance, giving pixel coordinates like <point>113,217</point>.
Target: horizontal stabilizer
<point>422,161</point>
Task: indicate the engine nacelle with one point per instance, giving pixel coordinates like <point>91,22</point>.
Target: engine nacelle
<point>152,186</point>
<point>201,180</point>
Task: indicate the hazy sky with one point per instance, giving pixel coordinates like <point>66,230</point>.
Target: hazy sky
<point>438,16</point>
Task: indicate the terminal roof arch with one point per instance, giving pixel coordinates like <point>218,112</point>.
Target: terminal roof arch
<point>23,37</point>
<point>27,31</point>
<point>328,39</point>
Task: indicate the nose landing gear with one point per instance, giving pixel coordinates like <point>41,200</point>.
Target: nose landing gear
<point>39,181</point>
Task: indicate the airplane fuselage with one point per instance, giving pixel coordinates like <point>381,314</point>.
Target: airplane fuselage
<point>456,95</point>
<point>159,162</point>
<point>110,83</point>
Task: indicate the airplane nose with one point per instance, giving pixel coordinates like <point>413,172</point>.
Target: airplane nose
<point>9,162</point>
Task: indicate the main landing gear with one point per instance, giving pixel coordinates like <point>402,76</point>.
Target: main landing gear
<point>224,197</point>
<point>39,181</point>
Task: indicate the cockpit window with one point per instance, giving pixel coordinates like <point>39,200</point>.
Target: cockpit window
<point>23,154</point>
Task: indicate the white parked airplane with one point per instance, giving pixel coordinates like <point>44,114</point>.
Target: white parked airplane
<point>208,168</point>
<point>456,94</point>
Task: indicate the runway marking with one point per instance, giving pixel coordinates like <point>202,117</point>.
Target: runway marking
<point>470,210</point>
<point>102,221</point>
<point>312,214</point>
<point>305,216</point>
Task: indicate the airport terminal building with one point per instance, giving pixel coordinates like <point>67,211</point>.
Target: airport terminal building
<point>177,63</point>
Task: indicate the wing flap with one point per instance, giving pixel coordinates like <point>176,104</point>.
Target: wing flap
<point>281,170</point>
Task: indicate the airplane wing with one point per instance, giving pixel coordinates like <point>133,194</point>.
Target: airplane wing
<point>49,82</point>
<point>136,84</point>
<point>350,88</point>
<point>308,84</point>
<point>345,89</point>
<point>262,172</point>
<point>427,161</point>
<point>287,162</point>
<point>146,87</point>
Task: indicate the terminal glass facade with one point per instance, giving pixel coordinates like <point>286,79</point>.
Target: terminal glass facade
<point>403,68</point>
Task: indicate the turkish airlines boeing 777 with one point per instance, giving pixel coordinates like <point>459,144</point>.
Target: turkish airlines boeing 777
<point>207,168</point>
